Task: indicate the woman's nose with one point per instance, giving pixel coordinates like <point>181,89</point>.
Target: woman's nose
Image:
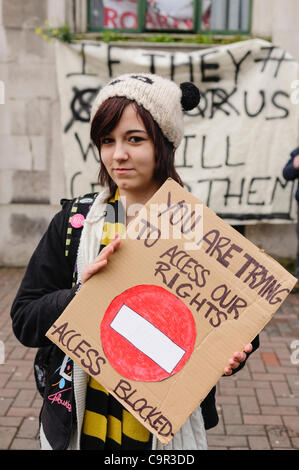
<point>120,152</point>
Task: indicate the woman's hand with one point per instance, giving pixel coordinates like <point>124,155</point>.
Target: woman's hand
<point>101,260</point>
<point>296,162</point>
<point>237,358</point>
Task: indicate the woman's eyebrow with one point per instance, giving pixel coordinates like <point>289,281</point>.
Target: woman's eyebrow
<point>135,130</point>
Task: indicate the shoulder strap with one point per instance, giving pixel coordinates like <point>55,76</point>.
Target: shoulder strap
<point>78,213</point>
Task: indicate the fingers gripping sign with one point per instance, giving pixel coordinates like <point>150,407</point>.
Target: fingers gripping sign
<point>101,260</point>
<point>237,358</point>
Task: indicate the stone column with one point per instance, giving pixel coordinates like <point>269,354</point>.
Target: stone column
<point>31,163</point>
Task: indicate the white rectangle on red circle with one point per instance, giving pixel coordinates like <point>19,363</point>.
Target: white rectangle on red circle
<point>147,338</point>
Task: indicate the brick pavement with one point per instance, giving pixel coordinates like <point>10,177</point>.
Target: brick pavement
<point>258,407</point>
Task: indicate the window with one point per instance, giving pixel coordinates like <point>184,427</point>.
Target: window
<point>191,16</point>
<point>170,15</point>
<point>225,15</point>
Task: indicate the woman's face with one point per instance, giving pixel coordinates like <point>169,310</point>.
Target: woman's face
<point>128,154</point>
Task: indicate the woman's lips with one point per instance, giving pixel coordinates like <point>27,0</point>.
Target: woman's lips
<point>123,170</point>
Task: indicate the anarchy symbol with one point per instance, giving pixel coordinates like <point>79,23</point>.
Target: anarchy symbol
<point>81,105</point>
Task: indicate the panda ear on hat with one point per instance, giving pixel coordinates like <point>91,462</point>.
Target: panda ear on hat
<point>190,96</point>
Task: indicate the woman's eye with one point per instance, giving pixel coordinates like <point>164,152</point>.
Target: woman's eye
<point>105,140</point>
<point>135,139</point>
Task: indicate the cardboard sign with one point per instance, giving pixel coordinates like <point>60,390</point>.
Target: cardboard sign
<point>158,324</point>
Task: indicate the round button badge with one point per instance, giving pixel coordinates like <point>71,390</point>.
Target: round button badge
<point>147,333</point>
<point>77,220</point>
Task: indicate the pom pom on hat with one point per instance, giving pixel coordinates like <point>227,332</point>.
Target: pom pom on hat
<point>190,96</point>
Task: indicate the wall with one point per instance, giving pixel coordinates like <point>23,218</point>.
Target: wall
<point>30,151</point>
<point>31,160</point>
<point>279,20</point>
<point>285,25</point>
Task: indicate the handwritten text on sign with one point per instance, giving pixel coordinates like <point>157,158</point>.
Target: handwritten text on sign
<point>187,275</point>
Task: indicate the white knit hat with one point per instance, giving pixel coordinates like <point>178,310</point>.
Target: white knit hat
<point>163,98</point>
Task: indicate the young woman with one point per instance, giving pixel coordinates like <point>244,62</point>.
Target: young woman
<point>136,125</point>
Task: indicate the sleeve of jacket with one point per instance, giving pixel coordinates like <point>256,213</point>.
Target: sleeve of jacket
<point>289,172</point>
<point>46,288</point>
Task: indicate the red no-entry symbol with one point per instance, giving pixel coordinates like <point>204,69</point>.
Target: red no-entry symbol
<point>147,333</point>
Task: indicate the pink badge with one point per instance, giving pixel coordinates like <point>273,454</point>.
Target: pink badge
<point>77,220</point>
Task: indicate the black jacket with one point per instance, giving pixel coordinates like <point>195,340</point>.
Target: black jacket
<point>290,173</point>
<point>44,293</point>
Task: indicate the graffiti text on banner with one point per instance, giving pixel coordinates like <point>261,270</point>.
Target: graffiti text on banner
<point>232,153</point>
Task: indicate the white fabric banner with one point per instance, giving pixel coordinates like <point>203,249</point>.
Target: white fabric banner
<point>236,141</point>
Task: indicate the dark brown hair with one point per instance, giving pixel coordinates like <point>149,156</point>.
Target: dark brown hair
<point>106,119</point>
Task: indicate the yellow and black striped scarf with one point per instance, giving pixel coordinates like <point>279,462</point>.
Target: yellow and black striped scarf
<point>107,424</point>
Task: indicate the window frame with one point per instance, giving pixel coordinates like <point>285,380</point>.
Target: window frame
<point>141,11</point>
<point>223,32</point>
<point>197,18</point>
